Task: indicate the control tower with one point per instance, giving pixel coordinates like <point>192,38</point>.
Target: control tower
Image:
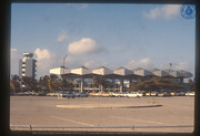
<point>27,66</point>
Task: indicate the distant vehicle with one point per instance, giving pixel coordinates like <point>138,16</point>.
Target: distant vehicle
<point>164,94</point>
<point>105,94</point>
<point>190,94</point>
<point>28,93</point>
<point>77,94</point>
<point>53,94</point>
<point>116,94</point>
<point>173,94</point>
<point>82,94</point>
<point>41,94</point>
<point>111,94</point>
<point>147,94</point>
<point>181,94</point>
<point>134,94</point>
<point>94,94</point>
<point>66,94</point>
<point>154,94</point>
<point>123,94</point>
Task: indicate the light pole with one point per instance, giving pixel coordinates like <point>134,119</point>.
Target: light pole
<point>64,58</point>
<point>62,72</point>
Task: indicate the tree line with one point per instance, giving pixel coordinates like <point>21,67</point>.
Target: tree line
<point>48,83</point>
<point>52,83</point>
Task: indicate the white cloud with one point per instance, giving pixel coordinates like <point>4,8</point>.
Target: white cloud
<point>63,36</point>
<point>166,12</point>
<point>82,6</point>
<point>182,66</point>
<point>144,63</point>
<point>84,46</point>
<point>45,61</point>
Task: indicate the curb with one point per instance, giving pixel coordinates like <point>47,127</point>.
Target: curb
<point>108,106</point>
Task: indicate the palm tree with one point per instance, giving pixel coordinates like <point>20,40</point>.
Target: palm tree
<point>51,82</point>
<point>15,84</point>
<point>192,84</point>
<point>30,83</point>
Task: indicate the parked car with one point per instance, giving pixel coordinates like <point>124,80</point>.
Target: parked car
<point>135,94</point>
<point>190,94</point>
<point>154,94</point>
<point>94,94</point>
<point>82,94</point>
<point>41,94</point>
<point>116,94</point>
<point>105,94</point>
<point>173,94</point>
<point>147,94</point>
<point>164,94</point>
<point>181,94</point>
<point>66,94</point>
<point>123,94</point>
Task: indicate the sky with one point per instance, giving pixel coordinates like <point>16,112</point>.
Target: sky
<point>110,35</point>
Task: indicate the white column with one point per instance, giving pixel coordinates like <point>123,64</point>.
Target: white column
<point>121,84</point>
<point>101,88</point>
<point>81,87</point>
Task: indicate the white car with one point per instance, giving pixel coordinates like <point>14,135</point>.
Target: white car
<point>124,94</point>
<point>53,94</point>
<point>154,94</point>
<point>190,94</point>
<point>134,94</point>
<point>116,94</point>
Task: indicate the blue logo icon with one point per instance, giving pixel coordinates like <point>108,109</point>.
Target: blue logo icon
<point>188,11</point>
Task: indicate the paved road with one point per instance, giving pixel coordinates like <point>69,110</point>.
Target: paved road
<point>33,110</point>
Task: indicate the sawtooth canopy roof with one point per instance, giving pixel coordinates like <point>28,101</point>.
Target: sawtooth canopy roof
<point>122,71</point>
<point>102,71</point>
<point>142,72</point>
<point>81,71</point>
<point>185,74</point>
<point>60,70</point>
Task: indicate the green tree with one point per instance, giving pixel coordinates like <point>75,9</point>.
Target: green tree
<point>192,84</point>
<point>15,84</point>
<point>52,83</point>
<point>31,84</point>
<point>157,83</point>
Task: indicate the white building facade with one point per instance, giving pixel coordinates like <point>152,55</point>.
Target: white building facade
<point>120,78</point>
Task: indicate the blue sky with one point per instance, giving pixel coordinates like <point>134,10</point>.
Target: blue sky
<point>112,35</point>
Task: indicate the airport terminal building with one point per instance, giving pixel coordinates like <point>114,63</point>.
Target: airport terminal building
<point>120,78</point>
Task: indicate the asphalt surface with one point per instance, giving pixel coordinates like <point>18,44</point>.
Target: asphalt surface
<point>41,111</point>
